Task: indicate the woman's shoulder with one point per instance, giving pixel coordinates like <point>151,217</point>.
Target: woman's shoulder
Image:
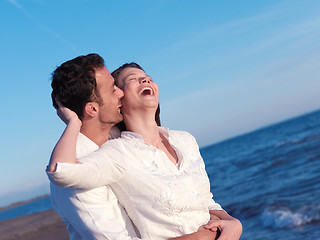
<point>179,134</point>
<point>183,139</point>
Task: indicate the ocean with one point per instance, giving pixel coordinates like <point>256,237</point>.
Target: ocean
<point>269,179</point>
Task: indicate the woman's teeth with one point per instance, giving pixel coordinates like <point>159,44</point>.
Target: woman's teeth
<point>146,91</point>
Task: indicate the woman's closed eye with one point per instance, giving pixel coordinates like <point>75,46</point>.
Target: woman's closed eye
<point>131,79</point>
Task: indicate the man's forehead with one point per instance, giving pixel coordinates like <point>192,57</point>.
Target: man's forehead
<point>103,76</point>
<point>102,70</point>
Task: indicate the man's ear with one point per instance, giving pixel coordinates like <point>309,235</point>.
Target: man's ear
<point>91,109</point>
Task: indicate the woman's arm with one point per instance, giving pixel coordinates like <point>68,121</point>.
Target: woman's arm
<point>100,168</point>
<point>65,149</point>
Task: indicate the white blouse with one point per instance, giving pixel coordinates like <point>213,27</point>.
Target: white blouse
<point>162,200</point>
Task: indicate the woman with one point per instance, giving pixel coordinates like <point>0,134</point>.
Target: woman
<point>157,174</point>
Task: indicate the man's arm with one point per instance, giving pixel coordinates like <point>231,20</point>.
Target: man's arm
<point>228,225</point>
<point>201,234</point>
<point>105,222</point>
<point>92,214</point>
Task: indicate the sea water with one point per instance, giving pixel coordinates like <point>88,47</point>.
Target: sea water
<point>269,179</point>
<point>25,209</point>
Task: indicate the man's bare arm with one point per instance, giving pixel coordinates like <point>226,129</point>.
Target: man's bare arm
<point>201,234</point>
<point>230,227</point>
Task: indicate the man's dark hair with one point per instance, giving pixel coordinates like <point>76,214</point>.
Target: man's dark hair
<point>74,83</point>
<point>115,74</point>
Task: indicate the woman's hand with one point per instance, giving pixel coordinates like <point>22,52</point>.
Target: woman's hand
<point>203,228</point>
<point>66,115</point>
<point>230,229</point>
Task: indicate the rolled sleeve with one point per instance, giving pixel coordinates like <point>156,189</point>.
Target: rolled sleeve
<point>100,168</point>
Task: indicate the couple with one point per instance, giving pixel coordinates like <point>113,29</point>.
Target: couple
<point>156,174</point>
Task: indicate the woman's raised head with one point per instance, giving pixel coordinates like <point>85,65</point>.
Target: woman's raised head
<point>119,81</point>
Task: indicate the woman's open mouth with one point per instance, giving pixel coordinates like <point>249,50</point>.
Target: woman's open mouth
<point>146,91</point>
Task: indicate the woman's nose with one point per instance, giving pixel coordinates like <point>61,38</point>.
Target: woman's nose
<point>145,80</point>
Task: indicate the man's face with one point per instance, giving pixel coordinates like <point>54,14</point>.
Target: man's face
<point>110,95</point>
<point>139,89</point>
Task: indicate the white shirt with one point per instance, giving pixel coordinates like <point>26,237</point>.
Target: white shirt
<point>93,214</point>
<point>162,200</point>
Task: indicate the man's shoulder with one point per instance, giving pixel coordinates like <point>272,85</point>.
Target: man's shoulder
<point>116,142</point>
<point>85,146</point>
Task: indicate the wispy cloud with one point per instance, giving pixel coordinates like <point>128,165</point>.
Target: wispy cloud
<point>28,186</point>
<point>43,28</point>
<point>24,192</point>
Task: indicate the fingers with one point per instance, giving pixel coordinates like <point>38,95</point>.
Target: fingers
<point>214,217</point>
<point>213,224</point>
<point>214,229</point>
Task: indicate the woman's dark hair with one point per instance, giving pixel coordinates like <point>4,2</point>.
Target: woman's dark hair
<point>115,74</point>
<point>74,83</point>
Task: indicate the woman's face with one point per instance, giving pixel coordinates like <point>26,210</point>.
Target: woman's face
<point>139,90</point>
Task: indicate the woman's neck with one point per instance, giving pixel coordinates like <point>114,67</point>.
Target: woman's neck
<point>145,125</point>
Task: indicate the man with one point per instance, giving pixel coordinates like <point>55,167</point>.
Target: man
<point>85,86</point>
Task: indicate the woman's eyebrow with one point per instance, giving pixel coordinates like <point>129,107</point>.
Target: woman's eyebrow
<point>135,74</point>
<point>132,74</point>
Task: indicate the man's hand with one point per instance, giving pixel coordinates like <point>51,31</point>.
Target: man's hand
<point>230,229</point>
<point>201,234</point>
<point>214,217</point>
<point>204,234</point>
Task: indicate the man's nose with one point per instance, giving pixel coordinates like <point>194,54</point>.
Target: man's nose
<point>120,93</point>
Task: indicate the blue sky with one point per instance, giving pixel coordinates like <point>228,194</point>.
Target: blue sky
<point>224,68</point>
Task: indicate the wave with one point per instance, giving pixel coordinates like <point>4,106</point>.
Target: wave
<point>298,140</point>
<point>283,217</point>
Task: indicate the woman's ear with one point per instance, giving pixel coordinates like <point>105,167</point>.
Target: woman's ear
<point>91,109</point>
